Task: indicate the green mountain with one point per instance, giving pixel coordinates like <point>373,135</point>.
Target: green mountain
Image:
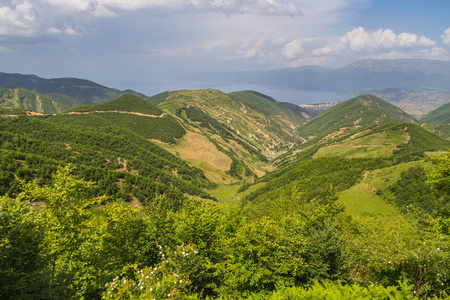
<point>85,91</point>
<point>124,103</point>
<point>21,98</point>
<point>260,120</point>
<point>440,115</point>
<point>239,131</point>
<point>438,121</point>
<point>361,111</point>
<point>127,111</point>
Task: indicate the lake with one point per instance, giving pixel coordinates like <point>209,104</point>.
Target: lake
<point>280,94</point>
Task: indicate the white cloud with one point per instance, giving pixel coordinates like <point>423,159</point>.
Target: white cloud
<point>293,49</point>
<point>53,30</point>
<point>71,31</point>
<point>359,40</point>
<point>446,36</point>
<point>4,49</point>
<point>435,52</point>
<point>17,20</point>
<point>265,7</point>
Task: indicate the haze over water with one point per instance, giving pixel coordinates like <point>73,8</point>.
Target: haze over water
<point>295,96</point>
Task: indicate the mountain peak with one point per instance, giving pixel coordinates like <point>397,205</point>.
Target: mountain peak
<point>362,111</point>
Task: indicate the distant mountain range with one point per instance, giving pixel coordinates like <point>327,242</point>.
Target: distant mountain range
<point>417,86</point>
<point>84,91</point>
<point>356,77</point>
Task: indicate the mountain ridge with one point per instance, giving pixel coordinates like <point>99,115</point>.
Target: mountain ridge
<point>363,110</point>
<point>83,90</point>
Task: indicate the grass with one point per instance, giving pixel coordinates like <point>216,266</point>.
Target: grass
<point>361,199</point>
<point>375,145</point>
<point>201,153</point>
<point>226,193</point>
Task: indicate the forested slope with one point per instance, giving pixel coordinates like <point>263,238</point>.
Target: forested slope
<point>21,98</point>
<point>124,164</point>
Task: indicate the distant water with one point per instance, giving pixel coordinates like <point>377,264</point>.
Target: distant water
<point>280,94</point>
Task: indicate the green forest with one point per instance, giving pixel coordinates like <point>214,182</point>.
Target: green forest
<point>97,204</point>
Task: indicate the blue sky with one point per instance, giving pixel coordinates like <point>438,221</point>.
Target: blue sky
<point>130,43</point>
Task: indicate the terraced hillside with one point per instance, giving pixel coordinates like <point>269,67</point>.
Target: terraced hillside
<point>241,130</point>
<point>261,121</point>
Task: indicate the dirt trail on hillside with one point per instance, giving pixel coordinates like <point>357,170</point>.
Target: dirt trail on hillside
<point>114,111</point>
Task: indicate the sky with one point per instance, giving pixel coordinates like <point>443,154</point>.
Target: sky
<point>138,44</point>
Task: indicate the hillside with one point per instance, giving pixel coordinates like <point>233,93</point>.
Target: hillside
<point>362,111</point>
<point>340,159</point>
<point>129,112</point>
<point>124,103</point>
<point>124,164</point>
<point>440,115</point>
<point>84,91</point>
<point>260,120</point>
<point>239,131</point>
<point>350,212</point>
<point>21,98</point>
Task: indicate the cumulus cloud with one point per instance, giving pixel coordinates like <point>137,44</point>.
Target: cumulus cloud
<point>31,18</point>
<point>293,49</point>
<point>446,36</point>
<point>359,40</point>
<point>17,20</point>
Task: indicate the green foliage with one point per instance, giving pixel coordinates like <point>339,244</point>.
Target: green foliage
<point>127,103</point>
<point>314,177</point>
<point>164,281</point>
<point>413,190</point>
<point>338,291</point>
<point>123,164</point>
<point>165,129</point>
<point>400,251</point>
<point>440,176</point>
<point>23,256</point>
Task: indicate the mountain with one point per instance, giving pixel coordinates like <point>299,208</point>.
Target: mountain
<point>21,98</point>
<point>355,77</point>
<point>127,111</point>
<point>84,91</point>
<point>440,115</point>
<point>255,117</point>
<point>361,111</point>
<point>438,121</point>
<point>239,131</point>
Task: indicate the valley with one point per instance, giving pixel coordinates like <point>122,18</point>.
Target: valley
<point>200,193</point>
